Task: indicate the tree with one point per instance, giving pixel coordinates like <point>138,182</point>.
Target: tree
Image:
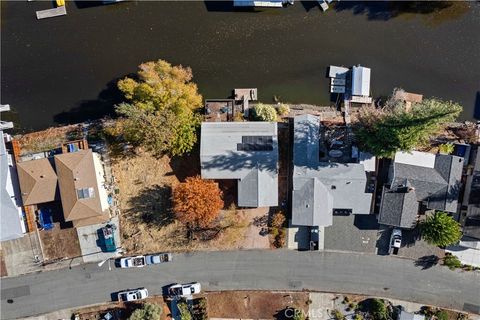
<point>264,112</point>
<point>197,202</point>
<point>161,110</point>
<point>440,229</point>
<point>378,309</point>
<point>148,311</point>
<point>391,129</point>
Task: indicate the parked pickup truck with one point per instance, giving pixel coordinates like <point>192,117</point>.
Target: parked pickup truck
<point>132,295</point>
<point>141,261</point>
<point>184,290</point>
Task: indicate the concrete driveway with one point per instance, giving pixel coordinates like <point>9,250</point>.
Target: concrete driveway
<point>89,242</point>
<point>247,270</point>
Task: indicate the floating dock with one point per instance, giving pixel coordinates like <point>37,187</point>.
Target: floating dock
<point>50,13</point>
<point>264,4</point>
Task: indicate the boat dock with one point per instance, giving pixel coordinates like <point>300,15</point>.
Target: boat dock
<point>50,13</point>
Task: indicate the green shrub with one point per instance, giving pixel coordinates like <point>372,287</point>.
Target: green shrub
<point>446,148</point>
<point>337,315</point>
<point>441,315</point>
<point>184,312</point>
<point>441,229</point>
<point>451,261</point>
<point>283,110</point>
<point>263,112</point>
<point>148,311</point>
<point>357,317</point>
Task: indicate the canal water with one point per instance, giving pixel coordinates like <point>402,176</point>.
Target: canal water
<point>64,69</point>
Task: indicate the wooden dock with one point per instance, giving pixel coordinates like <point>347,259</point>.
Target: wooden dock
<point>50,13</point>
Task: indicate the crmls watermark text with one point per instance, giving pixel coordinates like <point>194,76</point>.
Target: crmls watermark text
<point>312,313</point>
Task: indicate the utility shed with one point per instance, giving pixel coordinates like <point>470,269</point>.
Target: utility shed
<point>361,81</point>
<point>10,214</point>
<point>244,151</point>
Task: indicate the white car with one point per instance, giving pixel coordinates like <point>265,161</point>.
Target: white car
<point>141,261</point>
<point>184,290</point>
<point>395,241</point>
<point>133,295</point>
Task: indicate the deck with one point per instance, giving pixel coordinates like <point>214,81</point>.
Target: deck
<point>50,13</point>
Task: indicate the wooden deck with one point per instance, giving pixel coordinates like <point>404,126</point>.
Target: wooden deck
<point>249,94</point>
<point>50,13</point>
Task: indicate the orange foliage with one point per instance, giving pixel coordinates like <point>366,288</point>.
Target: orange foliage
<point>197,201</point>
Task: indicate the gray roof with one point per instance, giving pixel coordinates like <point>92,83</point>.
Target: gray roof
<point>321,187</point>
<point>439,186</point>
<point>435,182</point>
<point>223,156</point>
<point>10,226</point>
<point>399,208</point>
<point>312,201</point>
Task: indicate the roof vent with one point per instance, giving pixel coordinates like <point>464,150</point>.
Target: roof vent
<point>333,187</point>
<point>42,176</point>
<point>348,182</point>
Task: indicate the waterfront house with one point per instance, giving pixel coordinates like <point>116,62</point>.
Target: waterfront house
<point>243,151</point>
<point>81,184</point>
<point>75,179</point>
<point>419,179</point>
<point>324,186</point>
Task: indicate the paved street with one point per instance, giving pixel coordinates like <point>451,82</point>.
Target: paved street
<point>272,269</point>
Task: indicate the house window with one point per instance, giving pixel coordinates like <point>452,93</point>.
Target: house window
<point>86,193</point>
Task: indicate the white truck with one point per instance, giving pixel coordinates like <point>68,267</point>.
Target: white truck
<point>184,290</point>
<point>141,261</point>
<point>395,241</point>
<point>132,295</point>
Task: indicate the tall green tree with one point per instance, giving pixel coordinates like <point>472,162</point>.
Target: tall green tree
<point>384,132</point>
<point>160,112</point>
<point>440,229</point>
<point>148,311</point>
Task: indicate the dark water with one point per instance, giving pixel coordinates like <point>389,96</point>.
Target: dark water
<point>64,69</point>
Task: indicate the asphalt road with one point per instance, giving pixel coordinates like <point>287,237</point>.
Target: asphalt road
<point>270,270</point>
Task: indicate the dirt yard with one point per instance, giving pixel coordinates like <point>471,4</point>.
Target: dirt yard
<point>253,304</point>
<point>60,243</point>
<point>48,139</point>
<point>147,221</point>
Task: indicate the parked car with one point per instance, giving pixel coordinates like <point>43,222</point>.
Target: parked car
<point>184,290</point>
<point>395,241</point>
<point>141,261</point>
<point>133,295</point>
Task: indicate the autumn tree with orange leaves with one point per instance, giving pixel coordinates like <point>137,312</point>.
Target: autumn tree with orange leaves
<point>197,202</point>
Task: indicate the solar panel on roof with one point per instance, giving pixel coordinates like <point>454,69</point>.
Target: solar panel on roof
<point>256,143</point>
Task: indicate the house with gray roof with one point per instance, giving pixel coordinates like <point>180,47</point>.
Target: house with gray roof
<point>323,188</point>
<point>244,151</point>
<point>420,178</point>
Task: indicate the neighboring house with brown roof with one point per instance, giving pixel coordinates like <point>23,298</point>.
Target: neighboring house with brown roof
<point>38,181</point>
<point>80,178</point>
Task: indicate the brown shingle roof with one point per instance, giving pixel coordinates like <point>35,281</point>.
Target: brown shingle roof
<point>76,171</point>
<point>38,181</point>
